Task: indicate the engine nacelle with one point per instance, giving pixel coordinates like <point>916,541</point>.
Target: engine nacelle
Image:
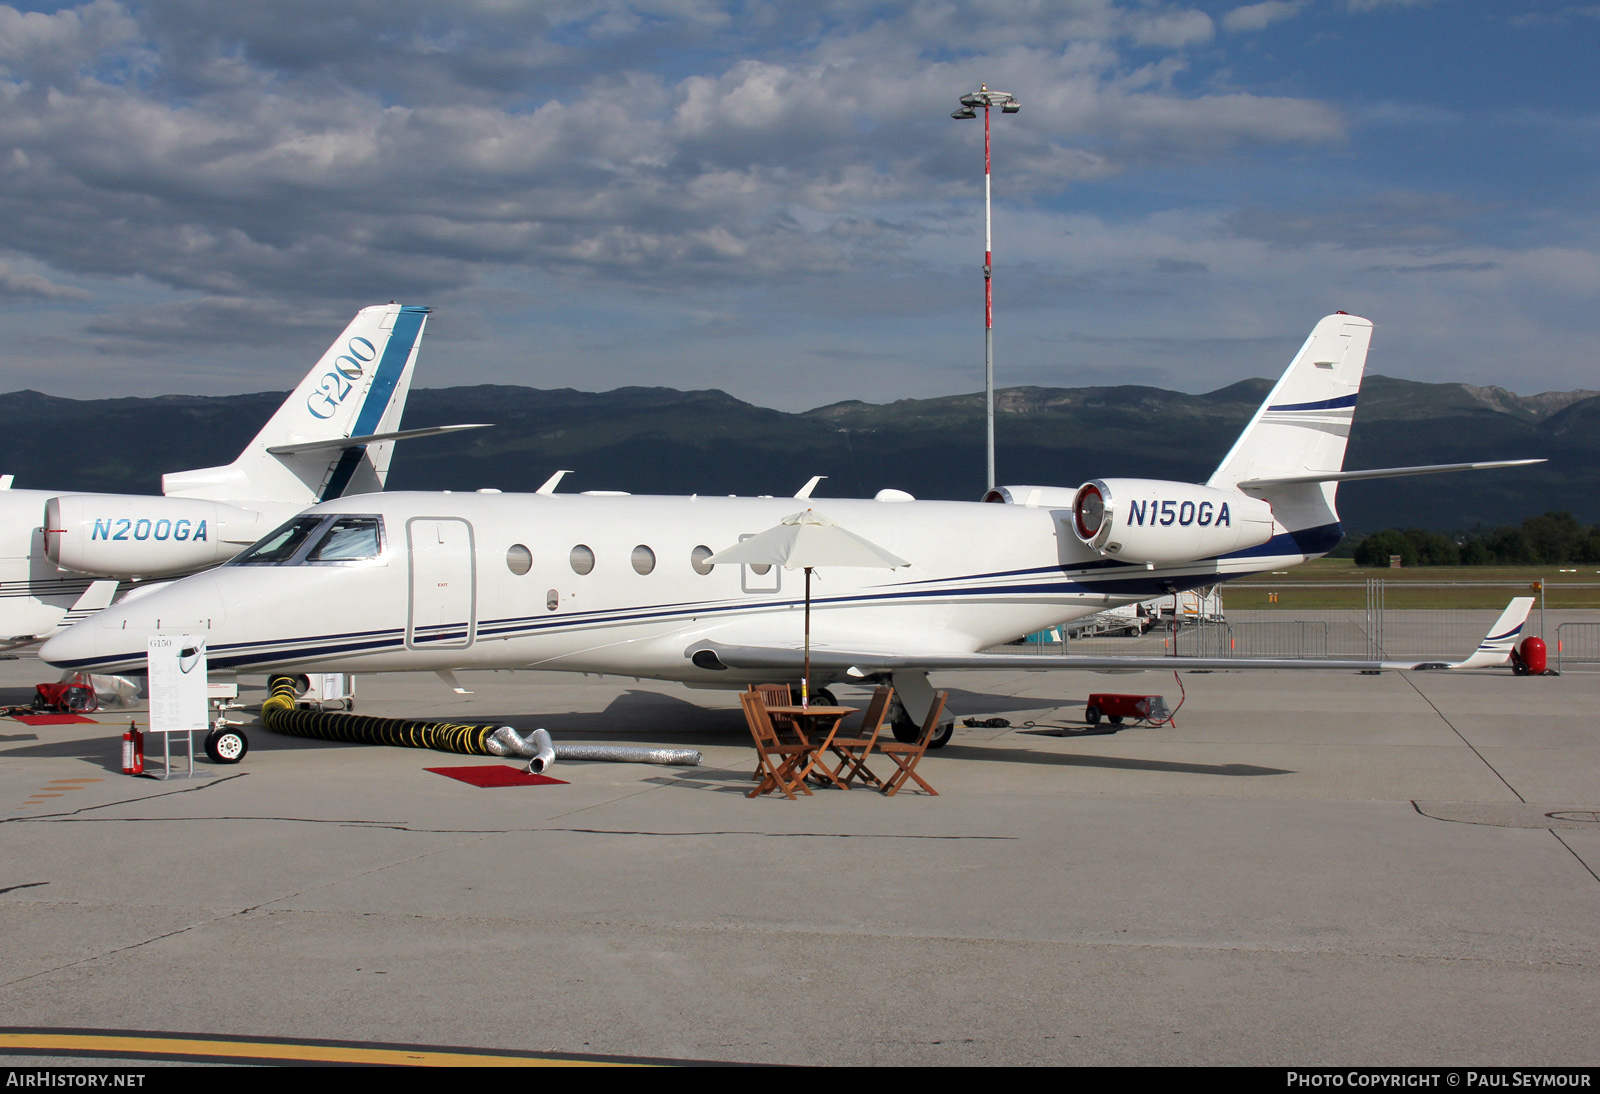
<point>1149,520</point>
<point>123,536</point>
<point>1032,496</point>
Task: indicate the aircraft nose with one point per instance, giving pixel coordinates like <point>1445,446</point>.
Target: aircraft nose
<point>78,647</point>
<point>118,636</point>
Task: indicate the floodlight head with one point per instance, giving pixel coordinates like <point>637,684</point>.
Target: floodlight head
<point>971,99</point>
<point>1011,107</point>
<point>964,113</point>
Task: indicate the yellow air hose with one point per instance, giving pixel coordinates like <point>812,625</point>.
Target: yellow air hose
<point>280,714</point>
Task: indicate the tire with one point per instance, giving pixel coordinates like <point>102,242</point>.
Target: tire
<point>905,730</point>
<point>1114,719</point>
<point>908,731</point>
<point>825,698</point>
<point>226,746</point>
<point>1091,714</point>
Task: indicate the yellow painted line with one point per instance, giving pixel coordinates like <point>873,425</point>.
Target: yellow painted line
<point>143,1045</point>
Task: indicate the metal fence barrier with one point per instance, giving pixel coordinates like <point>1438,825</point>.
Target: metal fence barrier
<point>1566,615</point>
<point>1576,642</point>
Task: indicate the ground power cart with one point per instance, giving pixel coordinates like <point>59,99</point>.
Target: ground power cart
<point>1134,708</point>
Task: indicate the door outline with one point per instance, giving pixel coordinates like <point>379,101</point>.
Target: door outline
<point>454,572</point>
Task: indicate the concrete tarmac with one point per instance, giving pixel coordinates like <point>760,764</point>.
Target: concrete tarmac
<point>1310,868</point>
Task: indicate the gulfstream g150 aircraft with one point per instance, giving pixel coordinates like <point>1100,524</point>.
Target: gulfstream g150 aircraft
<point>622,585</point>
<point>64,553</point>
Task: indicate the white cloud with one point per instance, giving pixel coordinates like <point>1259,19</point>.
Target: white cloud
<point>1169,29</point>
<point>14,283</point>
<point>1260,16</point>
<point>622,169</point>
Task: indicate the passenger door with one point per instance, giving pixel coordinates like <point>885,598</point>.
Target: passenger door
<point>443,610</point>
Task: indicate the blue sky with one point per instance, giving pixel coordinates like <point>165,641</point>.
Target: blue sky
<point>770,197</point>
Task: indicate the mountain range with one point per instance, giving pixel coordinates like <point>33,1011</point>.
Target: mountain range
<point>660,440</point>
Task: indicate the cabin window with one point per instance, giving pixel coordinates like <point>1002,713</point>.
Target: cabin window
<point>519,560</point>
<point>348,539</point>
<point>582,559</point>
<point>762,568</point>
<point>697,559</point>
<point>644,559</point>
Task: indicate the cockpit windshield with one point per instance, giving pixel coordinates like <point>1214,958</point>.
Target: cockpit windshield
<point>280,545</point>
<point>333,539</point>
<point>347,540</point>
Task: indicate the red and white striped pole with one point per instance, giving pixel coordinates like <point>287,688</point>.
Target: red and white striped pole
<point>1008,104</point>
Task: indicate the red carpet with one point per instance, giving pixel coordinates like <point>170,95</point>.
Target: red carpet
<point>51,719</point>
<point>496,776</point>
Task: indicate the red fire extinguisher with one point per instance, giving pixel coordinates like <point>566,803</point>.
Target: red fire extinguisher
<point>133,751</point>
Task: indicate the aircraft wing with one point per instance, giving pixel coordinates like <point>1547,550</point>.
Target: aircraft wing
<point>1495,649</point>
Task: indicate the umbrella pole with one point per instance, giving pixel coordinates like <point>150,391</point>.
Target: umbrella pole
<point>805,681</point>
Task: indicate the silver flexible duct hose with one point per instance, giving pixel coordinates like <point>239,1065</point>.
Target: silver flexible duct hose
<point>541,752</point>
<point>687,757</point>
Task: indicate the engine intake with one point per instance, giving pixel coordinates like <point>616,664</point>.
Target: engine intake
<point>1158,522</point>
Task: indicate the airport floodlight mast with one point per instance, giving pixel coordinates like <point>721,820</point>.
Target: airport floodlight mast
<point>1008,104</point>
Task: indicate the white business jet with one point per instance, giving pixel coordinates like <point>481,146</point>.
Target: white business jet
<point>62,555</point>
<point>621,585</point>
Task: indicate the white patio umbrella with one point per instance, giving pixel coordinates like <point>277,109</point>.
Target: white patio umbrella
<point>806,541</point>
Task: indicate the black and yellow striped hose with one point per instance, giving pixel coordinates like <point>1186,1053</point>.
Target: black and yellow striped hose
<point>280,714</point>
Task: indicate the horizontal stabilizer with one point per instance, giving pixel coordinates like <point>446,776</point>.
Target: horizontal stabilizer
<point>1382,473</point>
<point>337,443</point>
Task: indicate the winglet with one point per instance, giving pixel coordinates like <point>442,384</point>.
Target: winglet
<point>552,482</point>
<point>805,491</point>
<point>1495,649</point>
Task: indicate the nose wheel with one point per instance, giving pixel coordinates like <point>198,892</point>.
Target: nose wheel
<point>226,745</point>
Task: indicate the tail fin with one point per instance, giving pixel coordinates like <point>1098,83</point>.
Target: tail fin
<point>1304,424</point>
<point>1302,429</point>
<point>357,389</point>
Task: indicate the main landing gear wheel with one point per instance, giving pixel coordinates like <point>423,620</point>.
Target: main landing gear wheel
<point>226,746</point>
<point>906,731</point>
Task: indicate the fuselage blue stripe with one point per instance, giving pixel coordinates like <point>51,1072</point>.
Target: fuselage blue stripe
<point>242,655</point>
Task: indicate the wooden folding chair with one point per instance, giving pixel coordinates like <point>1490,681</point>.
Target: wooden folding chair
<point>779,764</point>
<point>777,695</point>
<point>907,756</point>
<point>853,750</point>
